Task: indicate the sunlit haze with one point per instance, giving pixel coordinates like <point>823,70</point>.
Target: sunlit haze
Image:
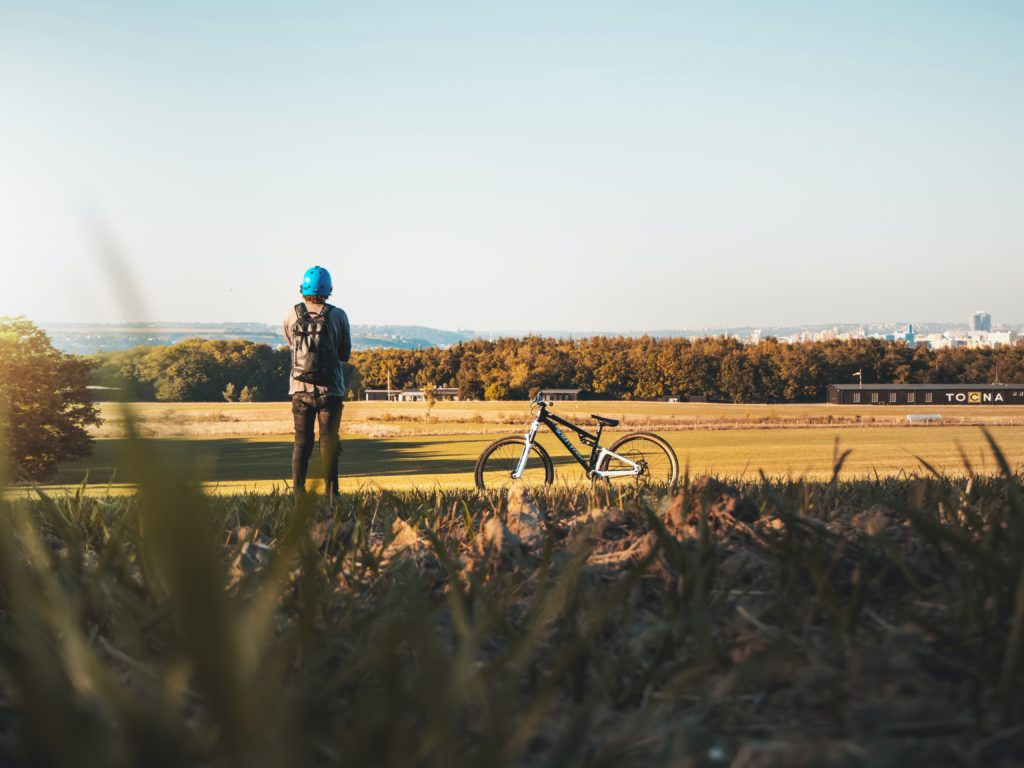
<point>528,165</point>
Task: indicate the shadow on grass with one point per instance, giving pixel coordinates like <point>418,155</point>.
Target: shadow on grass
<point>240,459</point>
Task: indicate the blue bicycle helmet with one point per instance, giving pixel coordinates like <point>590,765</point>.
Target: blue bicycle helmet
<point>316,282</point>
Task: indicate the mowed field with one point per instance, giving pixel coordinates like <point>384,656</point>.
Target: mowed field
<point>406,419</point>
<point>247,446</point>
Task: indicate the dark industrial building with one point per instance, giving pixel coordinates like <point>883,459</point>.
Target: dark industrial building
<point>926,394</point>
<point>560,394</point>
<point>382,394</point>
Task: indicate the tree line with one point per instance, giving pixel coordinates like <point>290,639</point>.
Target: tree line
<point>196,370</point>
<point>718,368</point>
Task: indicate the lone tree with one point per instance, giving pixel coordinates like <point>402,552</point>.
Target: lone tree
<point>44,404</point>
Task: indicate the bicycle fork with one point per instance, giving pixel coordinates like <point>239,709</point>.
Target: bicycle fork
<point>521,466</point>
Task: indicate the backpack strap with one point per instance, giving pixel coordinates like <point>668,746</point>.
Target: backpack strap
<point>301,313</point>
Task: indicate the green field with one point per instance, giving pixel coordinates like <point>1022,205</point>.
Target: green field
<point>237,463</point>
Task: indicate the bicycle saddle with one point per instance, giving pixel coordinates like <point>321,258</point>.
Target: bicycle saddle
<point>605,421</point>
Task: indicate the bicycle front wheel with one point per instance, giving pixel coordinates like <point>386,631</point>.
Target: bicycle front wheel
<point>657,461</point>
<point>499,460</point>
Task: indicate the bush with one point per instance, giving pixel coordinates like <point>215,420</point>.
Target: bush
<point>496,391</point>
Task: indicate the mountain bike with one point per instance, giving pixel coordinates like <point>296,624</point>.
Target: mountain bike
<point>642,457</point>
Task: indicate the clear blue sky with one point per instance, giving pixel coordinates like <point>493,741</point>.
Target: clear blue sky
<point>517,165</point>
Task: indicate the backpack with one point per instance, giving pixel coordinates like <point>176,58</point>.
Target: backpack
<point>313,354</point>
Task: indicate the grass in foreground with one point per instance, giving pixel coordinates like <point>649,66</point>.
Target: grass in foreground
<point>871,622</point>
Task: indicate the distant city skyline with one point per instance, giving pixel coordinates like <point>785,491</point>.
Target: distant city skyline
<point>608,166</point>
<point>89,338</point>
<point>468,332</point>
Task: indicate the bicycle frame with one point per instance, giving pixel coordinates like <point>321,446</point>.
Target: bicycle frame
<point>597,453</point>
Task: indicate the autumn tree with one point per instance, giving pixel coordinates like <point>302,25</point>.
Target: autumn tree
<point>716,368</point>
<point>496,391</point>
<point>44,404</point>
<point>353,381</point>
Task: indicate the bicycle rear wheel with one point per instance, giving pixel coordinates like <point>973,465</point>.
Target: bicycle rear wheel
<point>499,460</point>
<point>657,460</point>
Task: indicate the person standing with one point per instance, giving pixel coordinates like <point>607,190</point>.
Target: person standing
<point>320,341</point>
